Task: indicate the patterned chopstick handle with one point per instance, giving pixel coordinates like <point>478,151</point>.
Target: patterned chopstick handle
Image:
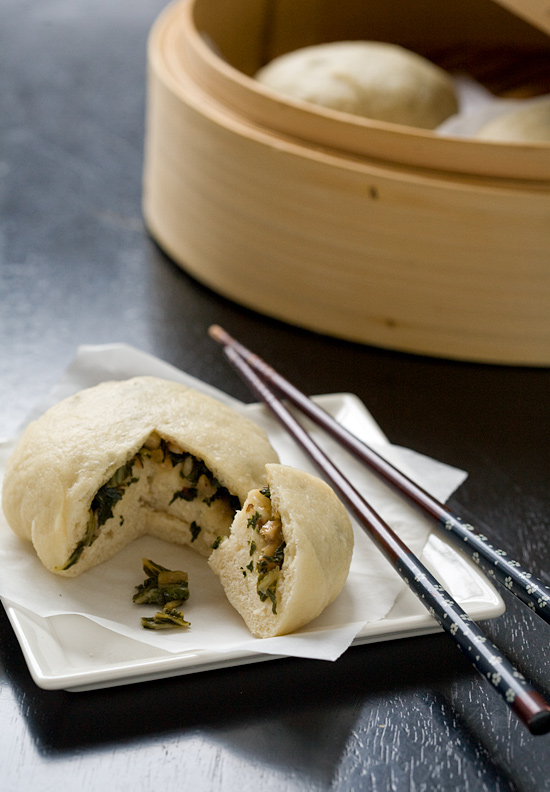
<point>494,562</point>
<point>498,565</point>
<point>520,696</point>
<point>474,643</point>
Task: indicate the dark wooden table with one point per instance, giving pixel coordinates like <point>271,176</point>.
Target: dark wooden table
<point>77,266</point>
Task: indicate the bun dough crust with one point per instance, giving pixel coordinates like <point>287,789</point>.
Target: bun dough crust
<point>365,78</point>
<point>75,448</point>
<point>529,123</point>
<point>318,545</point>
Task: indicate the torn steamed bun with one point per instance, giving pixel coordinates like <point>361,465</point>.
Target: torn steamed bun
<point>288,554</point>
<point>123,459</point>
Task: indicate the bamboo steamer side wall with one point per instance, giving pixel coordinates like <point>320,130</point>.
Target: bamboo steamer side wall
<point>417,264</point>
<point>421,259</point>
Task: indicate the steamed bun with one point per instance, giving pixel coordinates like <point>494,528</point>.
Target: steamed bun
<point>529,123</point>
<point>123,459</point>
<point>372,79</point>
<point>288,553</point>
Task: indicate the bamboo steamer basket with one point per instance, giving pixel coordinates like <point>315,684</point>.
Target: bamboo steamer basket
<point>373,232</point>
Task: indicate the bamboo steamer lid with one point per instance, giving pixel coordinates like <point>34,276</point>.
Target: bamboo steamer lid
<point>371,232</point>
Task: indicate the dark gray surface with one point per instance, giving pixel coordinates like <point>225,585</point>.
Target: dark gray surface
<point>77,267</point>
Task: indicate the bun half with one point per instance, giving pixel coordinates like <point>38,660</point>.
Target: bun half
<point>288,555</point>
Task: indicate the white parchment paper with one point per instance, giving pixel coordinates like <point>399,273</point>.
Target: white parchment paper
<point>104,593</point>
<point>478,106</point>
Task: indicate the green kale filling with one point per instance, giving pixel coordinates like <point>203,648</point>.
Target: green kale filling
<point>222,493</point>
<point>268,568</point>
<point>191,471</point>
<point>252,522</point>
<point>267,562</point>
<point>269,593</point>
<point>102,507</point>
<point>162,586</point>
<point>186,494</point>
<point>166,588</point>
<point>166,619</point>
<point>112,491</point>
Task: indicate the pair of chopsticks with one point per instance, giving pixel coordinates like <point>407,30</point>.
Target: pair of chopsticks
<point>519,695</point>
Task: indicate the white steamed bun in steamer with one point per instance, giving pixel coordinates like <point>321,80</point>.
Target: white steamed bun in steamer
<point>372,79</point>
<point>529,123</point>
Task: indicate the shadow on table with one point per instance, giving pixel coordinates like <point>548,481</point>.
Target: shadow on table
<point>294,715</point>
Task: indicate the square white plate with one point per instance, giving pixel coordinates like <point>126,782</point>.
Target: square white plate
<point>74,653</point>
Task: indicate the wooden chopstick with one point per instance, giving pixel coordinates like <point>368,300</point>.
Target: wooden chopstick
<point>518,694</point>
<point>495,562</point>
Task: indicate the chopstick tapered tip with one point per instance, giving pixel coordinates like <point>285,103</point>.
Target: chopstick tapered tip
<point>219,334</point>
<point>539,723</point>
